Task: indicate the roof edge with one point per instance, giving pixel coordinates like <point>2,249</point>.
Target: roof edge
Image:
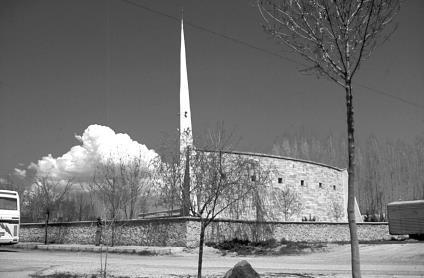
<point>277,157</point>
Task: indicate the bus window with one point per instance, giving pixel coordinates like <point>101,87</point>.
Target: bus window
<point>8,203</point>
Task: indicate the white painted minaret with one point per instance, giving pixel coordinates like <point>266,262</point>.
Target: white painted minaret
<point>186,134</point>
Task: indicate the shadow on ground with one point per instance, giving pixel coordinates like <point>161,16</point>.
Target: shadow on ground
<point>267,248</point>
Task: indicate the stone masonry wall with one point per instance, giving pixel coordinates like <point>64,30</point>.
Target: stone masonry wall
<point>321,189</point>
<point>221,230</point>
<point>69,232</point>
<point>154,232</point>
<point>185,232</point>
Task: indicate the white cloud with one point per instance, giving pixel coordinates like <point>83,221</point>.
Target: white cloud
<point>99,144</point>
<point>19,172</point>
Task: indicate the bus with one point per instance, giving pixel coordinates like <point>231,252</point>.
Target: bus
<point>9,217</point>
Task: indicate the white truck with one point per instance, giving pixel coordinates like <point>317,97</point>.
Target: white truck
<point>406,218</point>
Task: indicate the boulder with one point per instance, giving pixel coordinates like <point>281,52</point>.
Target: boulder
<point>242,270</point>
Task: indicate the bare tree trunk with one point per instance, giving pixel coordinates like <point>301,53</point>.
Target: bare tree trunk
<point>46,226</point>
<point>80,208</point>
<point>202,239</point>
<point>354,243</point>
<point>112,241</point>
<point>132,205</point>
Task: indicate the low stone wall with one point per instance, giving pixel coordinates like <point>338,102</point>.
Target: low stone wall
<point>185,232</point>
<point>222,230</point>
<point>67,232</point>
<point>151,232</point>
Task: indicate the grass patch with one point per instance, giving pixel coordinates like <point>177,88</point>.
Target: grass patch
<point>269,247</point>
<point>145,253</point>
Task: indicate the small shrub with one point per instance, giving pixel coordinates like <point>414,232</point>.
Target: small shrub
<point>283,241</point>
<point>266,247</point>
<point>269,243</point>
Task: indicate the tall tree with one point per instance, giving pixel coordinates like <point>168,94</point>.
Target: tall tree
<point>120,183</point>
<point>169,173</point>
<point>334,37</point>
<point>50,192</point>
<point>136,175</point>
<point>108,183</point>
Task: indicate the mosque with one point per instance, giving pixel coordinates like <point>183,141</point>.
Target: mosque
<point>321,190</point>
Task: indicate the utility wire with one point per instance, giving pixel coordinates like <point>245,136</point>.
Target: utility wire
<point>238,41</point>
<point>233,39</point>
<point>380,92</point>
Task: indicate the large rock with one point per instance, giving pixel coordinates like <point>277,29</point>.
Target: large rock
<point>242,270</point>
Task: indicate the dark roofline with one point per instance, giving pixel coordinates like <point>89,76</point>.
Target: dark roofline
<point>274,156</point>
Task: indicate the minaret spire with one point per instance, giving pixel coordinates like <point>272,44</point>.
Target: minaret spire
<point>186,135</point>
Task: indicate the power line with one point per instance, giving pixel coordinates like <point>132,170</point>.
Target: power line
<point>247,44</point>
<point>389,95</point>
<point>233,39</point>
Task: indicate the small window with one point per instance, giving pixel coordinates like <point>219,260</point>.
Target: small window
<point>253,178</point>
<point>320,185</point>
<point>302,182</point>
<point>334,187</point>
<point>280,180</point>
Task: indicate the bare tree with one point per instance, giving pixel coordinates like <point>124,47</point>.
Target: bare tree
<point>169,174</point>
<point>205,181</point>
<point>330,149</point>
<point>120,184</point>
<point>286,200</point>
<point>21,182</point>
<point>336,209</point>
<point>219,179</point>
<point>49,192</point>
<point>335,37</point>
<point>258,203</point>
<point>15,183</point>
<point>173,167</point>
<point>137,179</point>
<point>84,202</point>
<point>108,183</point>
<point>386,170</point>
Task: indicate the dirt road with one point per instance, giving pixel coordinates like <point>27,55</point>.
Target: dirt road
<point>381,260</point>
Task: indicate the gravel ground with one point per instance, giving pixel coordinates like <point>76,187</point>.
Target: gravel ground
<point>377,260</point>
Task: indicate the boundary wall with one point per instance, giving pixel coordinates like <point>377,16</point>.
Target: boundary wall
<point>184,232</point>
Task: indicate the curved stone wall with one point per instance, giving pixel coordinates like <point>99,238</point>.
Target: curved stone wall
<point>322,189</point>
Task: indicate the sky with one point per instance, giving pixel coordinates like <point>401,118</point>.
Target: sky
<point>68,65</point>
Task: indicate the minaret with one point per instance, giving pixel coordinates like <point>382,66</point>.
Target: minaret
<point>186,134</point>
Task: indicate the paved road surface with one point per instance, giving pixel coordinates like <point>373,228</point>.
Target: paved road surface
<point>382,260</point>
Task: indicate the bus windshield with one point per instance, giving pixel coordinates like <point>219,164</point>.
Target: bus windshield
<point>8,203</point>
